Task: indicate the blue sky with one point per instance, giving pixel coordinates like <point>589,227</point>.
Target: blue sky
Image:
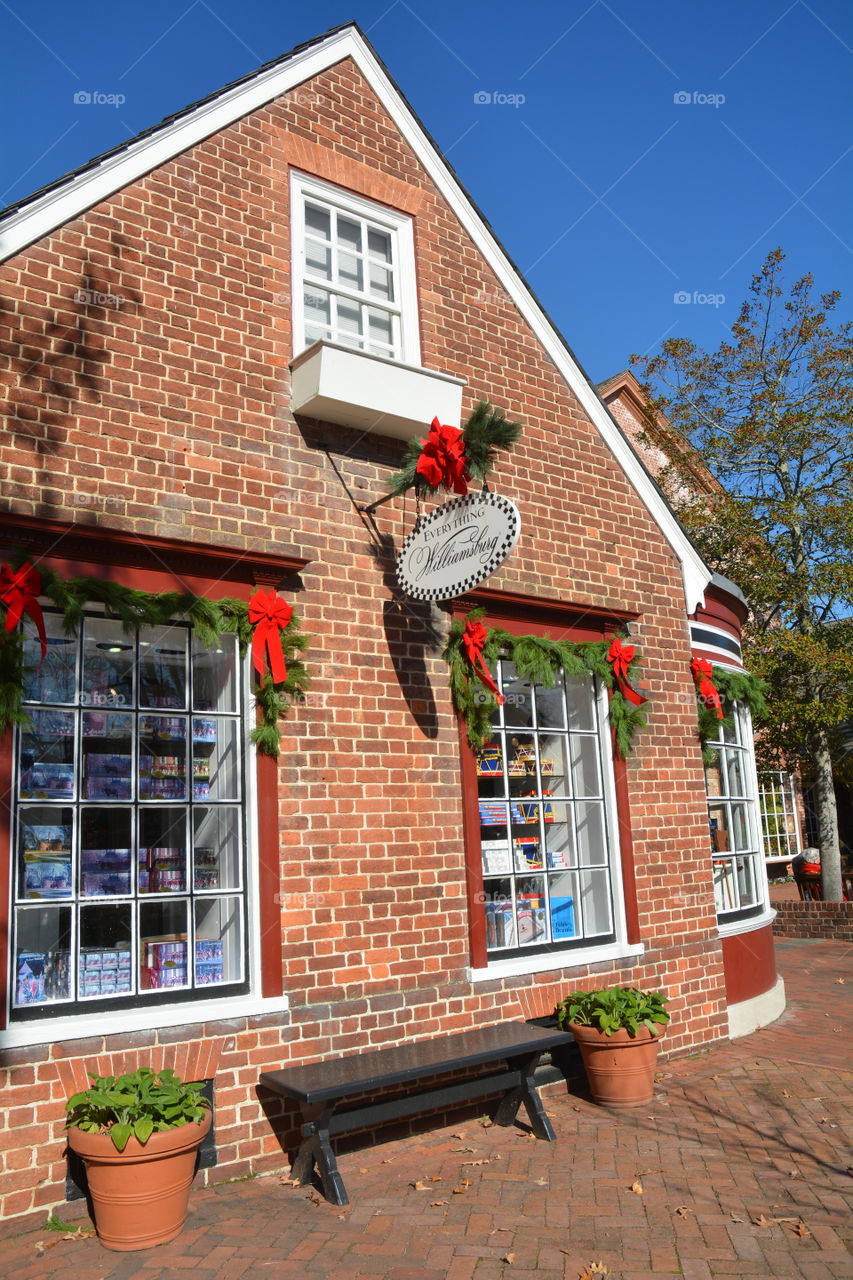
<point>638,158</point>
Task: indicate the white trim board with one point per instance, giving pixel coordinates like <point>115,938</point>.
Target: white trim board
<point>56,207</point>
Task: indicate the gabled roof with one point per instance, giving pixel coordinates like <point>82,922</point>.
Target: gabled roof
<point>58,203</point>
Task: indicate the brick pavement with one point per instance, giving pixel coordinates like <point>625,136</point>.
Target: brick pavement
<point>742,1145</point>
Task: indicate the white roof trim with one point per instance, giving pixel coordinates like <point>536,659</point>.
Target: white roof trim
<point>55,208</point>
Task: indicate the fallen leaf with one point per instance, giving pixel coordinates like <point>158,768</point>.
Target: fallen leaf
<point>464,1182</point>
<point>761,1221</point>
<point>485,1122</point>
<point>793,1173</point>
<point>434,1203</point>
<point>735,1218</point>
<point>594,1269</point>
<point>802,1230</point>
<point>475,1163</point>
<point>420,1185</point>
<point>541,1182</point>
<point>313,1197</point>
<point>508,1257</point>
<point>466,1149</point>
<point>637,1187</point>
<point>362,1171</point>
<point>682,1210</point>
<point>841,981</point>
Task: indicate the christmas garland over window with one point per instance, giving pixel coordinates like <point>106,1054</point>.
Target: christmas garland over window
<point>731,687</point>
<point>539,660</point>
<point>135,609</point>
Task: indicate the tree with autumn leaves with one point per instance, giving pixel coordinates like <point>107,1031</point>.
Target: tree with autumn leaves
<point>770,413</point>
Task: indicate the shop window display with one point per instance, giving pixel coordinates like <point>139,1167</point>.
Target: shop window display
<point>546,861</point>
<point>129,853</point>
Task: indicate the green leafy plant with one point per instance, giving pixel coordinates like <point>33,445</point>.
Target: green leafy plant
<point>614,1009</point>
<point>485,433</point>
<point>137,1104</point>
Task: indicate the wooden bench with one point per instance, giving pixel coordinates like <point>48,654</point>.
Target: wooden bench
<point>319,1087</point>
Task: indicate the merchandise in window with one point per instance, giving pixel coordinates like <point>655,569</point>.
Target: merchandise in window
<point>547,876</point>
<point>129,879</point>
<point>354,273</point>
<point>737,861</point>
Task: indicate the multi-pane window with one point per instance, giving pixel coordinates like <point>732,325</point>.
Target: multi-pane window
<point>547,875</point>
<point>779,825</point>
<point>129,879</point>
<point>354,273</point>
<point>737,861</point>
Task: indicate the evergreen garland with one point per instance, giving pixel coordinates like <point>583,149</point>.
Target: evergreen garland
<point>732,686</point>
<point>209,619</point>
<point>485,432</point>
<point>539,659</point>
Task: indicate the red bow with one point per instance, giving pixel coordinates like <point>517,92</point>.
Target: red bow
<point>269,616</point>
<point>442,459</point>
<point>19,592</point>
<point>621,656</point>
<point>473,638</point>
<point>702,672</point>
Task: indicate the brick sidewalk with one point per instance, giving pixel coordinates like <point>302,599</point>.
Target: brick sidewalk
<point>740,1168</point>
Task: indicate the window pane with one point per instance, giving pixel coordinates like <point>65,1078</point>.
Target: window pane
<point>380,327</point>
<point>740,827</point>
<point>725,890</point>
<point>554,765</point>
<point>381,283</point>
<point>500,914</point>
<point>317,221</point>
<point>350,272</point>
<point>595,902</point>
<point>746,881</point>
<point>109,658</point>
<point>162,851</point>
<point>550,707</point>
<point>163,667</point>
<point>349,320</point>
<point>162,757</point>
<point>585,776</point>
<point>218,941</point>
<point>559,835</point>
<point>580,698</point>
<point>379,245</point>
<point>106,844</point>
<point>563,892</point>
<point>106,957</point>
<point>216,764</point>
<point>318,314</point>
<point>214,673</point>
<point>714,777</point>
<point>592,850</point>
<point>163,955</point>
<point>107,756</point>
<point>216,848</point>
<point>349,234</point>
<point>518,697</point>
<point>46,756</point>
<point>44,852</point>
<point>531,919</point>
<point>55,680</point>
<point>318,260</point>
<point>737,781</point>
<point>43,955</point>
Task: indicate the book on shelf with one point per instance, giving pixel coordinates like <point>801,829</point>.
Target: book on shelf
<point>562,917</point>
<point>492,814</point>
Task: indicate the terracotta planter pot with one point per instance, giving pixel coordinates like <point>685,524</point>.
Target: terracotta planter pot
<point>140,1195</point>
<point>620,1068</point>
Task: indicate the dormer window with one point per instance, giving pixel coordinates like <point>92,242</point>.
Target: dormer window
<point>354,277</point>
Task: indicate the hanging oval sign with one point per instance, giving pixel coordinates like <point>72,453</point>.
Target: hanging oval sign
<point>457,546</point>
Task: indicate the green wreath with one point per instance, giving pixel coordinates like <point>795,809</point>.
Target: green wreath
<point>134,609</point>
<point>486,431</point>
<point>539,660</point>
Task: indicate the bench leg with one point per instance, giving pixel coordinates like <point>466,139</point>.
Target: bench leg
<point>316,1148</point>
<point>525,1091</point>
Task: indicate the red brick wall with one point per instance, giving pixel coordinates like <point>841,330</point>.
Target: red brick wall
<point>832,920</point>
<point>169,415</point>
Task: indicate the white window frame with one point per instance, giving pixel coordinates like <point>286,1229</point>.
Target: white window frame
<point>187,1011</point>
<point>400,228</point>
<point>745,744</point>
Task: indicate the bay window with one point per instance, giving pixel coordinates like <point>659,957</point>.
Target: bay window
<point>736,847</point>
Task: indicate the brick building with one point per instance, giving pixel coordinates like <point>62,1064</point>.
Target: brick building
<point>215,339</point>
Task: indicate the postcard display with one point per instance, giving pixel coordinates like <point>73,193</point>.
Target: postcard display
<point>129,871</point>
<point>542,817</point>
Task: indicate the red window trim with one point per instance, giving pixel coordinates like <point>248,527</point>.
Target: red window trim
<point>154,564</point>
<point>520,614</point>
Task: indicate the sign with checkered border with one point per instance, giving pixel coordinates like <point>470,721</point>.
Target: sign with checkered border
<point>458,546</point>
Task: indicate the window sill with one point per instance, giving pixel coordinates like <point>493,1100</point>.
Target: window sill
<point>369,393</point>
<point>554,961</point>
<point>748,925</point>
<point>118,1022</point>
